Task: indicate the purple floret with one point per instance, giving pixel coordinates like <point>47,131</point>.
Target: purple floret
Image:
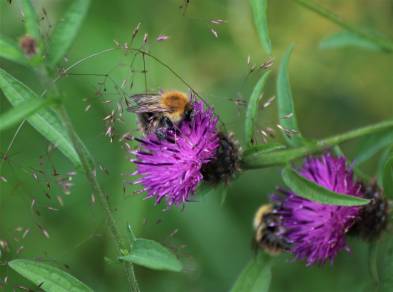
<point>171,168</point>
<point>317,231</point>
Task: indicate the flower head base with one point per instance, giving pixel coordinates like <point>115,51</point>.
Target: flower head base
<point>226,162</point>
<point>374,217</point>
<point>170,168</point>
<point>317,231</point>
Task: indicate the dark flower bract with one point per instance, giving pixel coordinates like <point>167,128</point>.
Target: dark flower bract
<point>170,168</point>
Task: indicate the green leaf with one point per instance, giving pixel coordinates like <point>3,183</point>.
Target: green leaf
<point>10,50</point>
<point>152,255</point>
<point>48,278</point>
<point>387,176</point>
<point>45,121</point>
<point>21,112</point>
<point>31,20</point>
<point>372,144</point>
<point>66,30</point>
<point>263,148</point>
<point>345,39</point>
<point>384,43</point>
<point>314,192</point>
<point>259,11</point>
<point>286,108</point>
<point>252,108</point>
<point>256,276</point>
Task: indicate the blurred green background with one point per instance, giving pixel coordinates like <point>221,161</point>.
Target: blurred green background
<point>334,90</point>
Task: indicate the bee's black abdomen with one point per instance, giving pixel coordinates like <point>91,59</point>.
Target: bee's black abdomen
<point>226,162</point>
<point>374,217</point>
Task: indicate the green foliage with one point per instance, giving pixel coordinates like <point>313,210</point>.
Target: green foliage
<point>382,42</point>
<point>387,175</point>
<point>252,109</point>
<point>262,148</point>
<point>32,23</point>
<point>312,191</point>
<point>66,30</point>
<point>286,107</point>
<point>259,11</point>
<point>48,278</point>
<point>256,276</point>
<point>45,121</point>
<point>21,112</point>
<point>387,266</point>
<point>9,50</point>
<point>345,39</point>
<point>371,144</point>
<point>152,255</point>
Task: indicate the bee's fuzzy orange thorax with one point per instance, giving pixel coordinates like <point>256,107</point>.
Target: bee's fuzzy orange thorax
<point>176,102</point>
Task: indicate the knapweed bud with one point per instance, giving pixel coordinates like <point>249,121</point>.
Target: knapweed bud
<point>28,45</point>
<point>373,217</point>
<point>226,162</point>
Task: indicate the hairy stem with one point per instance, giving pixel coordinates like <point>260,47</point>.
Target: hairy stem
<point>372,263</point>
<point>263,158</point>
<point>89,169</point>
<point>384,43</point>
<point>88,166</point>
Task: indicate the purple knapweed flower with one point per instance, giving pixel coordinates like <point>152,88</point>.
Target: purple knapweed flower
<point>317,231</point>
<point>170,168</point>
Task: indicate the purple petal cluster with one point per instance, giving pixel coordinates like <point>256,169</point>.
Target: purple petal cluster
<point>317,231</point>
<point>171,168</point>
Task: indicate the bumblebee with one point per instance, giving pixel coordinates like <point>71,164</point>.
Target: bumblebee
<point>269,231</point>
<point>160,112</point>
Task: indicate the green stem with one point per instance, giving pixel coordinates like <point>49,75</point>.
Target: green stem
<point>261,159</point>
<point>383,43</point>
<point>372,263</point>
<point>89,170</point>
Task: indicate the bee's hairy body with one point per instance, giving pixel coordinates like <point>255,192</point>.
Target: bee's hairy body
<point>267,231</point>
<point>159,112</point>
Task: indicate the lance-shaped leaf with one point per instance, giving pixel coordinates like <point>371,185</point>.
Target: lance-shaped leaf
<point>286,107</point>
<point>252,108</point>
<point>387,175</point>
<point>345,39</point>
<point>31,20</point>
<point>370,145</point>
<point>314,192</point>
<point>10,50</point>
<point>47,277</point>
<point>152,255</point>
<point>45,121</point>
<point>256,276</point>
<point>21,112</point>
<point>259,11</point>
<point>66,30</point>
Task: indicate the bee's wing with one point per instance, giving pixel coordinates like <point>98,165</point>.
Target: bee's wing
<point>146,102</point>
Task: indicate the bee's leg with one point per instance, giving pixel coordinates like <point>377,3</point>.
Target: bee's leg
<point>189,114</point>
<point>160,133</point>
<point>166,123</point>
